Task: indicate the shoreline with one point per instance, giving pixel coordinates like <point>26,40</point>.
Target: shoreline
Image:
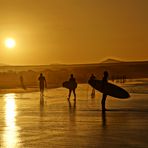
<point>137,86</point>
<point>21,90</point>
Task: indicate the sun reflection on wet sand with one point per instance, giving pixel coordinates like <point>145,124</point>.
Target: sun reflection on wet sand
<point>10,132</point>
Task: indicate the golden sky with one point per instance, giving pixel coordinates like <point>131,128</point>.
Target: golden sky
<point>73,31</point>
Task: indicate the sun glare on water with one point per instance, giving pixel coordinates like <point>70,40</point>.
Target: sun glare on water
<point>10,132</point>
<point>10,43</point>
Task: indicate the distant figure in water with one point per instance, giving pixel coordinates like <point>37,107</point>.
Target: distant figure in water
<point>22,82</point>
<point>105,80</point>
<point>72,80</point>
<point>92,77</point>
<point>42,83</point>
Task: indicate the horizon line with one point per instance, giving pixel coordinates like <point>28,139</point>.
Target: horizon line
<point>66,64</point>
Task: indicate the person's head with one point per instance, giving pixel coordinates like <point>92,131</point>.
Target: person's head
<point>71,75</point>
<point>105,74</point>
<point>41,74</point>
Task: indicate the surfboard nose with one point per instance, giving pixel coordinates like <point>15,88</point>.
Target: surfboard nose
<point>126,95</point>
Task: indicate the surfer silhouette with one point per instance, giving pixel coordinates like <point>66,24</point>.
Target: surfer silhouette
<point>42,83</point>
<point>22,82</point>
<point>72,81</point>
<point>104,80</point>
<point>92,77</point>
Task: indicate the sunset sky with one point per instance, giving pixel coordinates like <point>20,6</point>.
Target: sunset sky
<point>73,31</point>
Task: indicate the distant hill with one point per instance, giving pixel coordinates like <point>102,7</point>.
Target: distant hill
<point>111,61</point>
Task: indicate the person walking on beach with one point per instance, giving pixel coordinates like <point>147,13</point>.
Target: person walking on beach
<point>104,80</point>
<point>73,83</point>
<point>22,82</point>
<point>42,83</point>
<point>92,77</point>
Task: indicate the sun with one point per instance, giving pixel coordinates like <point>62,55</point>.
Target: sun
<point>10,43</point>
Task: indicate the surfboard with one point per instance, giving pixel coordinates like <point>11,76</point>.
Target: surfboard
<point>109,89</point>
<point>70,85</point>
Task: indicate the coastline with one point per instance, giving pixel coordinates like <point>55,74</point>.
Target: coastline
<point>131,85</point>
<point>27,90</point>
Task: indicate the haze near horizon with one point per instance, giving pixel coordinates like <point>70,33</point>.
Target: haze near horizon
<point>75,31</point>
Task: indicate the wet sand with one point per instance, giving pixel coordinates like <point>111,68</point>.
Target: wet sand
<point>27,122</point>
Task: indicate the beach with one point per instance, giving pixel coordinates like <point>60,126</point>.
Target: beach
<point>28,122</point>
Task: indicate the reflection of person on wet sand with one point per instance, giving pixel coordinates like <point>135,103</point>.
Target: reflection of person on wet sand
<point>72,112</point>
<point>41,99</point>
<point>41,106</point>
<point>42,83</point>
<point>92,77</point>
<point>72,80</point>
<point>105,80</point>
<point>103,119</point>
<point>70,106</point>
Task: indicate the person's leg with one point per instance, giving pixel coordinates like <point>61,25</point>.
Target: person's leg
<point>69,94</point>
<point>42,88</point>
<point>74,93</point>
<point>93,93</point>
<point>103,102</point>
<point>41,92</point>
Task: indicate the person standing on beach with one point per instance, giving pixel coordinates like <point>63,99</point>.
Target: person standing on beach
<point>92,77</point>
<point>42,83</point>
<point>73,83</point>
<point>104,80</point>
<point>22,82</point>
